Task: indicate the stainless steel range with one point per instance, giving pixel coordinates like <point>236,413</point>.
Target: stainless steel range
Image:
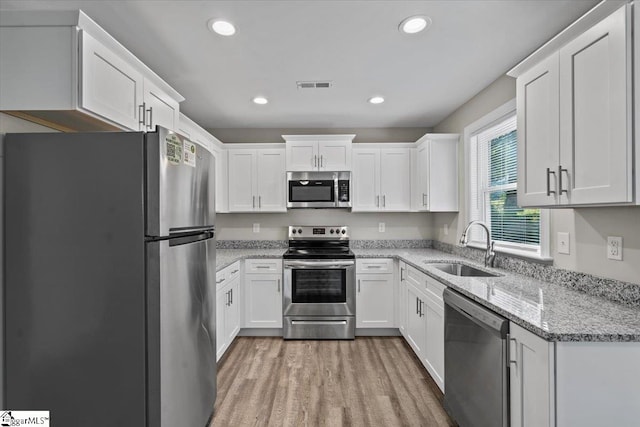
<point>319,284</point>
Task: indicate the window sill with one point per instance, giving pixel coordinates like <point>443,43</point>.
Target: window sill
<point>515,253</point>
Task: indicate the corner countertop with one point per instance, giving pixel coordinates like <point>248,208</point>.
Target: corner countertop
<point>549,310</point>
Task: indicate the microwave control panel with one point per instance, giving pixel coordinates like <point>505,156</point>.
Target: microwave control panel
<point>343,190</point>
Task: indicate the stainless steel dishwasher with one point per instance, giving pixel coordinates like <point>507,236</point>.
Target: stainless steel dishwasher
<point>475,363</point>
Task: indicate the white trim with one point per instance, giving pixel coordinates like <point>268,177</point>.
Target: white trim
<point>474,128</point>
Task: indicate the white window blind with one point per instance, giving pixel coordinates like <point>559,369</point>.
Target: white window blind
<point>493,181</point>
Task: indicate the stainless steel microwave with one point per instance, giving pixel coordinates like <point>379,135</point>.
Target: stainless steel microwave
<point>319,189</point>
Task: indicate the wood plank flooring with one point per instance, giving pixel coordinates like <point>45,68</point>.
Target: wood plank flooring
<point>371,381</point>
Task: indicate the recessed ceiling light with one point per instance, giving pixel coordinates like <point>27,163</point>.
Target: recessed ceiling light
<point>414,24</point>
<point>260,100</point>
<point>224,28</point>
<point>376,100</point>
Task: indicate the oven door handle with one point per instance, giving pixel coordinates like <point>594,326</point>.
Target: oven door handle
<point>318,264</point>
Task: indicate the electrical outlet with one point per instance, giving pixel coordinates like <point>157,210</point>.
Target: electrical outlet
<point>256,227</point>
<point>381,227</point>
<point>614,248</point>
<point>563,243</point>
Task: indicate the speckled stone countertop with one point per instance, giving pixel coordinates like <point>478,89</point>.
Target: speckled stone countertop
<point>226,257</point>
<point>549,310</point>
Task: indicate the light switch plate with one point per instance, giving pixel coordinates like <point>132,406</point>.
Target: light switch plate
<point>563,243</point>
<point>614,248</point>
<point>381,227</point>
<point>256,227</point>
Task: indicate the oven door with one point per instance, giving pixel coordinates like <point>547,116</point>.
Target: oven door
<point>319,288</point>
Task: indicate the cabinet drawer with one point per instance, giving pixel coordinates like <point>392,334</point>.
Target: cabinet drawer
<point>374,265</point>
<point>415,276</point>
<point>435,288</point>
<point>233,271</point>
<point>263,266</point>
<point>222,278</point>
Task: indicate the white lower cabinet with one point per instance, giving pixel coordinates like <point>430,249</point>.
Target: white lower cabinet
<point>401,299</point>
<point>566,384</point>
<point>263,293</point>
<point>228,303</point>
<point>424,319</point>
<point>375,295</point>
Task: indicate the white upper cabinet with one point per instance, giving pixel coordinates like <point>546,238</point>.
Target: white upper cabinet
<point>257,180</point>
<point>318,152</point>
<point>538,133</point>
<point>435,173</point>
<point>574,115</point>
<point>80,78</point>
<point>381,178</point>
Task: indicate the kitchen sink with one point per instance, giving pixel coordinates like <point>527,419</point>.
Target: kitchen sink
<point>457,269</point>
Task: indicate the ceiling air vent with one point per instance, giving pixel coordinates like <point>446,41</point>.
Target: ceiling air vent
<point>313,85</point>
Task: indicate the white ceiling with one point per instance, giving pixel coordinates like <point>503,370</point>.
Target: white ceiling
<point>355,44</point>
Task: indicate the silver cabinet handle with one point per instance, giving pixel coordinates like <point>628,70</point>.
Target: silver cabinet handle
<point>142,115</point>
<point>219,281</point>
<point>150,124</point>
<point>378,201</point>
<point>549,190</point>
<point>384,201</point>
<point>234,271</point>
<point>321,161</point>
<point>227,303</point>
<point>421,308</point>
<point>374,266</point>
<point>278,285</point>
<point>510,360</point>
<point>253,201</point>
<point>560,170</point>
<point>358,285</point>
<point>401,274</point>
<point>417,306</point>
<point>262,266</point>
<point>259,202</point>
<point>423,202</point>
<point>315,160</point>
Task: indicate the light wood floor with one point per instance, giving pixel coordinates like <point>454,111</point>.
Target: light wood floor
<point>370,381</point>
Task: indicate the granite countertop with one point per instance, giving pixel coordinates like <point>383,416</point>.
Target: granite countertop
<point>226,257</point>
<point>552,311</point>
<point>549,310</point>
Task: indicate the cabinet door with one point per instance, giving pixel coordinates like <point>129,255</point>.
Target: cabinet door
<point>302,155</point>
<point>232,316</point>
<point>422,178</point>
<point>416,324</point>
<point>271,180</point>
<point>263,295</point>
<point>242,180</point>
<point>442,173</point>
<point>334,155</point>
<point>538,134</point>
<point>595,102</point>
<point>434,350</point>
<point>366,180</point>
<point>160,108</point>
<point>395,179</point>
<point>375,302</point>
<point>222,301</point>
<point>401,299</point>
<point>110,86</point>
<point>531,377</point>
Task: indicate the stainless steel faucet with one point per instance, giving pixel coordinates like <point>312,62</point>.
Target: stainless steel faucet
<point>490,255</point>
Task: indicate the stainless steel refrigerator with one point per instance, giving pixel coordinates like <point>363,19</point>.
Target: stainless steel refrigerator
<point>110,278</point>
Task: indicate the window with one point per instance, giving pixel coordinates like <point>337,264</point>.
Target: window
<point>492,144</point>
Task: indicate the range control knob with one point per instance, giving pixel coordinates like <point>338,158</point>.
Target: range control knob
<point>294,231</point>
<point>299,230</point>
<point>344,231</point>
<point>331,231</point>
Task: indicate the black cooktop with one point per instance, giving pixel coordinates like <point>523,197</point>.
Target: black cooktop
<point>319,253</point>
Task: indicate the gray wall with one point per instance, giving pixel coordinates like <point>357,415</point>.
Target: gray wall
<point>588,227</point>
<point>362,225</point>
<point>8,124</point>
<point>362,134</point>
